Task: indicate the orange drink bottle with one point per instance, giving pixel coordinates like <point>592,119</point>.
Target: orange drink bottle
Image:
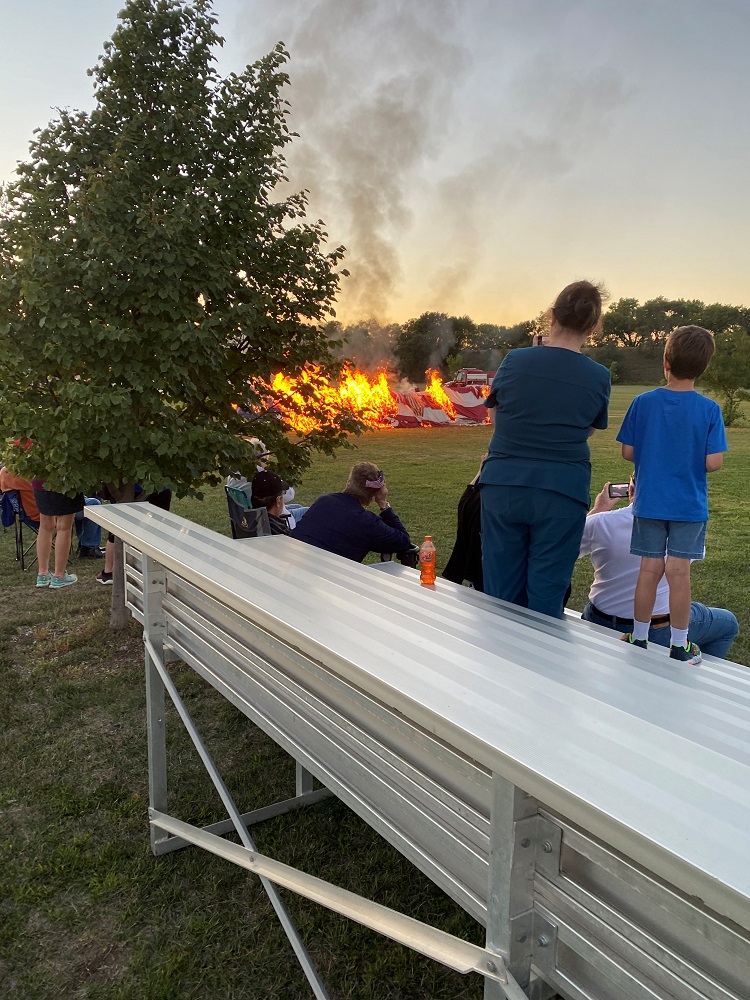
<point>427,557</point>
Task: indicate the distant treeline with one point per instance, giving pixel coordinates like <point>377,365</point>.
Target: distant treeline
<point>630,341</point>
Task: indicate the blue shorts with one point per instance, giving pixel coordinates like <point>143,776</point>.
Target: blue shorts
<point>654,539</point>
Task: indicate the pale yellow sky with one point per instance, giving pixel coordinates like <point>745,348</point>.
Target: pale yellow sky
<point>476,157</point>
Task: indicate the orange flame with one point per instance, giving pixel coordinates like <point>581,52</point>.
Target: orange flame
<point>368,396</point>
<point>437,393</point>
<point>305,401</point>
<point>310,401</point>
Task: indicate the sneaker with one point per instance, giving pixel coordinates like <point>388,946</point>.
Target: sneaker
<point>43,579</point>
<point>62,581</point>
<point>628,637</point>
<point>105,578</point>
<point>90,552</point>
<point>688,654</point>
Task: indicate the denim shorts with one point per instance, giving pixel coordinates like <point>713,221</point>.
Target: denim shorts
<point>654,539</point>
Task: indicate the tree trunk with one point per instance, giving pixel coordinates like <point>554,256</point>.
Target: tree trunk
<point>119,614</point>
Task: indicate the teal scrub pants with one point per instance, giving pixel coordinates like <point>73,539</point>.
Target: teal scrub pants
<point>530,543</point>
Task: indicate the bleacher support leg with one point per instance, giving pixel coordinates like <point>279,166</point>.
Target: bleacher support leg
<point>304,780</point>
<point>154,631</point>
<point>511,882</point>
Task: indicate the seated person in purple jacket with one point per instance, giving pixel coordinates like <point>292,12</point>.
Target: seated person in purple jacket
<point>341,523</point>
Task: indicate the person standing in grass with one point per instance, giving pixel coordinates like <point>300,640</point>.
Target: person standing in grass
<point>674,435</point>
<point>56,514</point>
<point>544,403</point>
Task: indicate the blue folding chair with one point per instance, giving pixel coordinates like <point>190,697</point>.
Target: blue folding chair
<point>13,513</point>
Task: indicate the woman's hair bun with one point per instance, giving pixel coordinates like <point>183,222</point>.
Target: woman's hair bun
<point>579,306</point>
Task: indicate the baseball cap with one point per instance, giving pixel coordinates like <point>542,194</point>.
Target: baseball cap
<point>268,484</point>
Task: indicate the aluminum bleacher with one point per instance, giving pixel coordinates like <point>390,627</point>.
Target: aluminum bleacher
<point>586,802</point>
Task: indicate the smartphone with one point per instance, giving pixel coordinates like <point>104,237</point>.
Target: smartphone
<point>618,490</point>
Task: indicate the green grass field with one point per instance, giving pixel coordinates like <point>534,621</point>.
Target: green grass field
<point>87,912</point>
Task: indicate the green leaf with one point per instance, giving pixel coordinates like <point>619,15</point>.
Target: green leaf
<point>145,238</point>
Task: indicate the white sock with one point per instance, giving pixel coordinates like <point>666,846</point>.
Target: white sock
<point>679,636</point>
<point>640,629</point>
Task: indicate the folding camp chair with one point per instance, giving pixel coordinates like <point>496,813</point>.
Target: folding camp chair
<point>246,521</point>
<point>12,502</point>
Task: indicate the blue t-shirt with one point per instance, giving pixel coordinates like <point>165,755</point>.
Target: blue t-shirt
<point>547,398</point>
<point>671,433</point>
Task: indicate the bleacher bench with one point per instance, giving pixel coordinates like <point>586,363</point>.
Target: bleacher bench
<point>588,803</point>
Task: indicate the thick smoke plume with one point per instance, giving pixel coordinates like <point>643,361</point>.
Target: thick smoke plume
<point>466,114</point>
<point>368,344</point>
<point>372,86</point>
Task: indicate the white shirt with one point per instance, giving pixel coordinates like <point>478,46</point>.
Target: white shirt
<point>606,540</point>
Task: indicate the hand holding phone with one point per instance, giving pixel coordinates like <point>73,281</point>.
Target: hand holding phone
<point>617,491</point>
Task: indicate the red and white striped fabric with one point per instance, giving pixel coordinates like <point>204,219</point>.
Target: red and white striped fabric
<point>418,409</point>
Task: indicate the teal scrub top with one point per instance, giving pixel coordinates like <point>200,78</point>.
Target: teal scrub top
<point>547,400</point>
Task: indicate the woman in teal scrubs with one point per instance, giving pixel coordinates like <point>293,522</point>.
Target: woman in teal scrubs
<point>544,402</point>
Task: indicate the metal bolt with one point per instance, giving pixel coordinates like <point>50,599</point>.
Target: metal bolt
<point>525,842</point>
<point>491,967</point>
<point>547,847</point>
<point>543,941</point>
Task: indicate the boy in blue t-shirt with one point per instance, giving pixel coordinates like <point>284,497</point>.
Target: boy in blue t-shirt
<point>674,436</point>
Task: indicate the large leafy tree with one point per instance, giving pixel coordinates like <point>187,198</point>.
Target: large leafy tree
<point>630,324</point>
<point>151,277</point>
<point>620,324</point>
<point>728,375</point>
<point>422,343</point>
<point>428,341</point>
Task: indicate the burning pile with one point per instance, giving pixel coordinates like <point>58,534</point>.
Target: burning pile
<point>377,403</point>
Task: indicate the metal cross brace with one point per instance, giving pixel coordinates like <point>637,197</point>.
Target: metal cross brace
<point>460,955</point>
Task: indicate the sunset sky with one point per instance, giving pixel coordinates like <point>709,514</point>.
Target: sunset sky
<point>476,155</point>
